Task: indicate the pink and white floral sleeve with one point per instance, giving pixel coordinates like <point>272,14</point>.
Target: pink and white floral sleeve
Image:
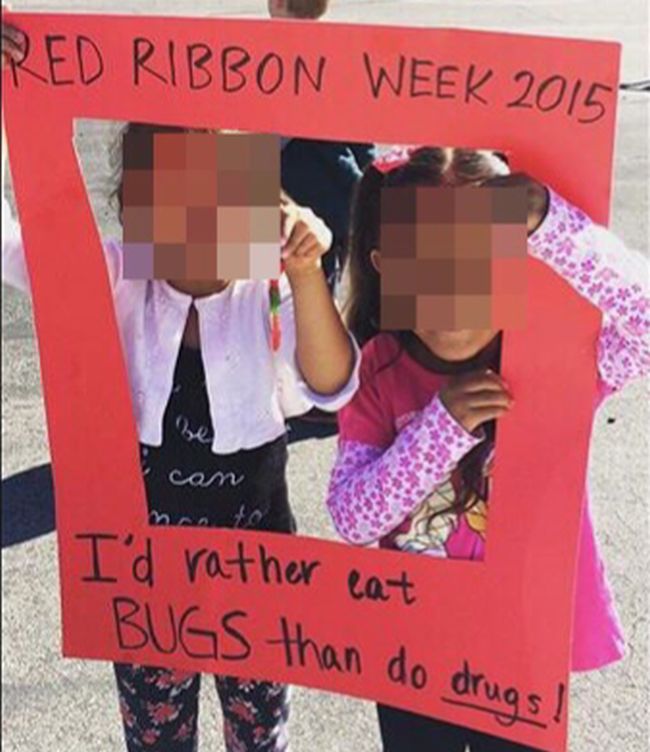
<point>610,276</point>
<point>373,489</point>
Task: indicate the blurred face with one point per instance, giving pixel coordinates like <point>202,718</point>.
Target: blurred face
<point>453,263</point>
<point>201,206</point>
<point>457,345</point>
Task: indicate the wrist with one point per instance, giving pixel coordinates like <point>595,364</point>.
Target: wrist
<point>304,276</point>
<point>538,205</point>
<point>464,437</point>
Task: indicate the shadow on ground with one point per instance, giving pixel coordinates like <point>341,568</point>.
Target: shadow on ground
<point>27,505</point>
<point>28,497</point>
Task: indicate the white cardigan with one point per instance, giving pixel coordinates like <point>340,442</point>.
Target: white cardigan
<point>251,390</point>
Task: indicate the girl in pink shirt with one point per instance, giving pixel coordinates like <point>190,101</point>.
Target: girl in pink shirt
<point>416,442</point>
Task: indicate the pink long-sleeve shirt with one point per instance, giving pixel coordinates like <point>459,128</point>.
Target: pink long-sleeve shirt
<point>399,447</point>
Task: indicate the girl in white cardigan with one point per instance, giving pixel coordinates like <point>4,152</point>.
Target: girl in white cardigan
<point>210,396</point>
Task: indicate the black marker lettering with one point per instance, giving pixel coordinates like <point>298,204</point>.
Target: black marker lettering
<point>270,61</point>
<point>590,103</point>
<point>554,100</point>
<point>471,86</point>
<point>171,51</point>
<point>476,688</point>
<point>405,586</point>
<point>382,77</point>
<point>374,589</point>
<point>212,651</point>
<point>228,65</point>
<point>211,561</point>
<point>511,698</point>
<point>270,564</point>
<point>492,691</point>
<point>152,631</point>
<point>574,96</point>
<point>398,671</point>
<point>316,82</point>
<point>192,560</point>
<point>236,635</point>
<point>523,74</point>
<point>561,691</point>
<point>301,650</point>
<point>419,677</point>
<point>53,60</point>
<point>142,569</point>
<point>242,561</point>
<point>20,64</point>
<point>197,57</point>
<point>123,619</point>
<point>534,702</point>
<point>416,77</point>
<point>85,43</point>
<point>143,49</point>
<point>442,81</point>
<point>95,538</point>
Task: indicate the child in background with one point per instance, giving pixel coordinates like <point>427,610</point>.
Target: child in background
<point>322,174</point>
<point>305,9</point>
<point>210,398</point>
<point>428,402</point>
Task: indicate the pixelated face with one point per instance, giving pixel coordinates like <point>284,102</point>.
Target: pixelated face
<point>453,258</point>
<point>201,206</point>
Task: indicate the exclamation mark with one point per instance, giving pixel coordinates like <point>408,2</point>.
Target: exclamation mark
<point>561,691</point>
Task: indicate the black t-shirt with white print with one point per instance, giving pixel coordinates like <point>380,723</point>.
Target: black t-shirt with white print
<point>187,484</point>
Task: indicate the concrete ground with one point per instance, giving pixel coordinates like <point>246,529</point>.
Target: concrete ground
<point>52,705</point>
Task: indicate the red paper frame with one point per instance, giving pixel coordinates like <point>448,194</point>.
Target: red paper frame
<point>509,617</point>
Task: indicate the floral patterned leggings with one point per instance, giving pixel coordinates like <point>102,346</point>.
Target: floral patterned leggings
<point>160,709</point>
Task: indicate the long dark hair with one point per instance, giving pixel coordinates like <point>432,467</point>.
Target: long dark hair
<point>425,166</point>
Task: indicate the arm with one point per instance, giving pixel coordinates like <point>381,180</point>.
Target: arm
<point>324,352</point>
<point>372,490</point>
<point>610,276</point>
<point>14,269</point>
<point>296,395</point>
<point>14,266</point>
<point>323,348</point>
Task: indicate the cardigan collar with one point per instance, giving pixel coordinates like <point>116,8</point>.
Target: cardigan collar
<point>183,301</point>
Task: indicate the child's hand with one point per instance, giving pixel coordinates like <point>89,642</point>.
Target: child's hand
<point>474,398</point>
<point>14,47</point>
<point>538,198</point>
<point>13,44</point>
<point>304,237</point>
